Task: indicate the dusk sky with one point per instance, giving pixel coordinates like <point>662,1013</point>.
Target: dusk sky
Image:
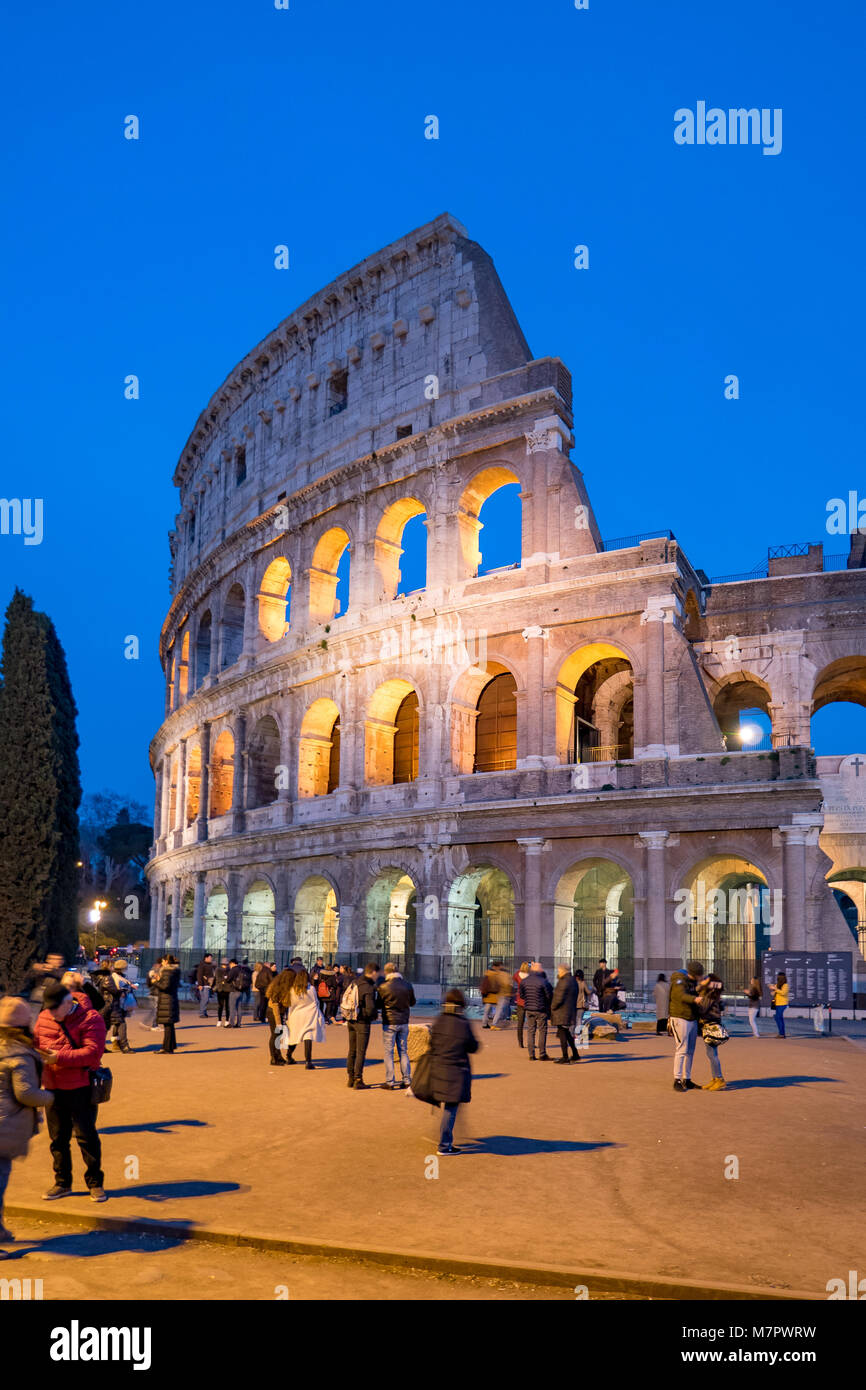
<point>155,257</point>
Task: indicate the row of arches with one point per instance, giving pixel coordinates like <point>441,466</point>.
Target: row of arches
<point>400,561</point>
<point>726,918</point>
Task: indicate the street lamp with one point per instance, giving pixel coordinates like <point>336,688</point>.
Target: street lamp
<point>94,916</point>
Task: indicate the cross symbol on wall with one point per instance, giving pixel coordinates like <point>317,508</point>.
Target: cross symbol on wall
<point>857,763</point>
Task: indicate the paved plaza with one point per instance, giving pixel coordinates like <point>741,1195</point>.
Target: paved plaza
<point>599,1167</point>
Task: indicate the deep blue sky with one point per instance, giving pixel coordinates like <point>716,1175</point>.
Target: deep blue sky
<point>306,127</point>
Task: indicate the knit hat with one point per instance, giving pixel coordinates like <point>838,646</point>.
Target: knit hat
<point>14,1012</point>
<point>53,994</point>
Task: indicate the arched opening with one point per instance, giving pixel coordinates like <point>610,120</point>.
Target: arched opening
<point>187,920</point>
<point>401,548</point>
<point>502,547</point>
<point>233,626</point>
<point>316,919</point>
<point>319,750</point>
<point>595,705</point>
<point>742,708</point>
<point>203,648</point>
<point>849,891</point>
<point>838,723</point>
<point>172,794</point>
<point>393,712</point>
<point>496,725</point>
<point>257,921</point>
<point>594,918</point>
<point>193,782</point>
<point>692,625</point>
<point>329,576</point>
<point>391,908</point>
<point>183,673</point>
<point>728,912</point>
<point>216,917</point>
<point>480,921</point>
<point>263,761</point>
<point>222,768</point>
<point>275,598</point>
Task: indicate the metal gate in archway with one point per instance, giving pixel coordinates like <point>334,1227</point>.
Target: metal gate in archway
<point>606,936</point>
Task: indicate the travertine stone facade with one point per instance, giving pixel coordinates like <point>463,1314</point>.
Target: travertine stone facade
<point>344,781</point>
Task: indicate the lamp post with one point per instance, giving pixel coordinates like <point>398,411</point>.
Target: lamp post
<point>94,916</point>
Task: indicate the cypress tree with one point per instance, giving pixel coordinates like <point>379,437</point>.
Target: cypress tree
<point>40,790</point>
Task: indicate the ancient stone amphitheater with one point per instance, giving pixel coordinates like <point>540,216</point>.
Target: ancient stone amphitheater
<point>541,758</point>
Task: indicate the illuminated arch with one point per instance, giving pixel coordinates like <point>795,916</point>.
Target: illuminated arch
<point>327,555</point>
<point>389,542</point>
<point>391,727</point>
<point>222,767</point>
<point>476,492</point>
<point>275,599</point>
<point>319,750</point>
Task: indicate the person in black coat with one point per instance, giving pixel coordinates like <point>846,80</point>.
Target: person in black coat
<point>452,1042</point>
<point>167,1005</point>
<point>537,992</point>
<point>563,1013</point>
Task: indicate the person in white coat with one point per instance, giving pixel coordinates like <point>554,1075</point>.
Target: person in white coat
<point>305,1021</point>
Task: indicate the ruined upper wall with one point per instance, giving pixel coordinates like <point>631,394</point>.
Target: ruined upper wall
<point>342,374</point>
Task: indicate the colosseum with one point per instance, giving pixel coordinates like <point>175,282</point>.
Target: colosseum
<point>544,758</point>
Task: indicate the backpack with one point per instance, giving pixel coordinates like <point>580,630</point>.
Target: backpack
<point>351,1001</point>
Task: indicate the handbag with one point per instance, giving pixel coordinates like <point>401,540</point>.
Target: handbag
<point>100,1085</point>
<point>714,1034</point>
<point>421,1083</point>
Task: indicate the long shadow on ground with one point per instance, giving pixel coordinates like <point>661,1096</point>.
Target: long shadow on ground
<point>169,1191</point>
<point>775,1082</point>
<point>154,1127</point>
<point>87,1244</point>
<point>515,1145</point>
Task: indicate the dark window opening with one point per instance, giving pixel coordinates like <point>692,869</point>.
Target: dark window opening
<point>240,466</point>
<point>338,393</point>
<point>403,431</point>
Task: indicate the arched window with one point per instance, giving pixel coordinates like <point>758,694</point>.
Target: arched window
<point>329,576</point>
<point>406,739</point>
<point>496,725</point>
<point>183,673</point>
<point>233,626</point>
<point>501,547</point>
<point>222,774</point>
<point>203,648</point>
<point>263,762</point>
<point>401,548</point>
<point>275,600</point>
<point>319,750</point>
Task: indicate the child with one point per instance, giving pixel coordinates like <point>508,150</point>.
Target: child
<point>709,1006</point>
<point>20,1092</point>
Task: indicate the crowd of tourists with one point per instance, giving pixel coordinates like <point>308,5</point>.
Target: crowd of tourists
<point>52,1060</point>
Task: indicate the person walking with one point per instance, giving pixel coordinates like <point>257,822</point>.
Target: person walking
<point>360,1008</point>
<point>262,979</point>
<point>72,1036</point>
<point>305,1020</point>
<point>537,993</point>
<point>708,1007</point>
<point>779,992</point>
<point>21,1095</point>
<point>661,995</point>
<point>563,1014</point>
<point>240,983</point>
<point>753,1003</point>
<point>489,989</point>
<point>223,989</point>
<point>503,1000</point>
<point>396,998</point>
<point>204,977</point>
<point>278,1004</point>
<point>682,1021</point>
<point>519,1001</point>
<point>452,1043</point>
<point>168,1006</point>
<point>583,997</point>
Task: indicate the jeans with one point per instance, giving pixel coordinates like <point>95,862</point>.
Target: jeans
<point>118,1034</point>
<point>5,1170</point>
<point>152,1003</point>
<point>446,1133</point>
<point>780,1019</point>
<point>753,1021</point>
<point>359,1038</point>
<point>236,1004</point>
<point>686,1034</point>
<point>536,1026</point>
<point>261,1009</point>
<point>566,1041</point>
<point>487,1014</point>
<point>222,1004</point>
<point>520,1012</point>
<point>396,1033</point>
<point>501,1015</point>
<point>713,1059</point>
<point>72,1113</point>
<point>204,996</point>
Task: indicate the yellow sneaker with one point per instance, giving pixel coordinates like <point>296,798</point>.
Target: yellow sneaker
<point>717,1084</point>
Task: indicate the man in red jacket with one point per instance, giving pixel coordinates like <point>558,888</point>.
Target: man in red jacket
<point>72,1034</point>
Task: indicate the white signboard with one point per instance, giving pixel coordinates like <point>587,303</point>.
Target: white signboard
<point>845,797</point>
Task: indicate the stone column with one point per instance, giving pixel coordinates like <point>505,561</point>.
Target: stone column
<point>180,799</point>
<point>153,937</point>
<point>157,803</point>
<point>794,881</point>
<point>239,733</point>
<point>198,909</point>
<point>251,612</point>
<point>176,910</point>
<point>653,623</point>
<point>655,943</point>
<point>283,924</point>
<point>530,941</point>
<point>530,730</point>
<point>204,788</point>
<point>234,922</point>
<point>160,923</point>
